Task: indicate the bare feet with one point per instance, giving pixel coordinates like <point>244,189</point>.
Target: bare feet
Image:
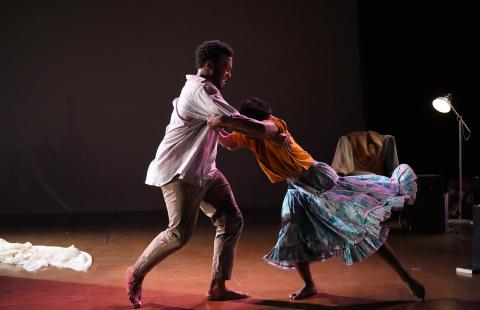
<point>224,294</point>
<point>417,289</point>
<point>134,288</point>
<point>305,292</point>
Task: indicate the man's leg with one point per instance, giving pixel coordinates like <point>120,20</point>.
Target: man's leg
<point>219,204</point>
<point>389,257</point>
<point>182,201</point>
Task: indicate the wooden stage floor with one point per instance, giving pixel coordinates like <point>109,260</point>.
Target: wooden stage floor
<point>180,282</point>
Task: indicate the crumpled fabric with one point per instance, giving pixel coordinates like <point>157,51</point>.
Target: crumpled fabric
<point>365,152</point>
<point>35,257</point>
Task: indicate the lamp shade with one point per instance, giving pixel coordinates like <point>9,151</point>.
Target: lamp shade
<point>441,104</point>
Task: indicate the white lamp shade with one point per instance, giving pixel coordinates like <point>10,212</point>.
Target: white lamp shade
<point>441,104</point>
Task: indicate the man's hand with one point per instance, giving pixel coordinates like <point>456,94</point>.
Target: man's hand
<point>214,121</point>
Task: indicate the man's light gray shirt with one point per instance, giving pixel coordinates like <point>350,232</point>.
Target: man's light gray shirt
<point>189,147</point>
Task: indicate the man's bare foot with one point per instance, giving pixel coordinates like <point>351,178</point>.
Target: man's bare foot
<point>304,292</point>
<point>417,289</point>
<point>134,288</point>
<point>225,294</point>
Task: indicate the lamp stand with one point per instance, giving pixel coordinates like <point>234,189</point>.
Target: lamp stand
<point>461,124</point>
<point>460,219</point>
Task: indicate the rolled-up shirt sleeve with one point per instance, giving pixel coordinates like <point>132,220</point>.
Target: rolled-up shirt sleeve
<point>212,103</point>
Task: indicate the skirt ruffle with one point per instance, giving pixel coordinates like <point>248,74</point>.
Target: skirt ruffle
<point>324,215</point>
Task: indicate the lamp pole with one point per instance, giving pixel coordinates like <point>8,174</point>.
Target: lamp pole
<point>460,176</point>
<point>444,105</point>
<point>461,124</point>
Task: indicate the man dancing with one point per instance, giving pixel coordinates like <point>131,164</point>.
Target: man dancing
<point>184,169</point>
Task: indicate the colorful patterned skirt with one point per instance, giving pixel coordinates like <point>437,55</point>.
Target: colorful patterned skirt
<point>325,215</point>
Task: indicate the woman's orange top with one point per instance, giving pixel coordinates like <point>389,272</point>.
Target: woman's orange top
<point>277,162</point>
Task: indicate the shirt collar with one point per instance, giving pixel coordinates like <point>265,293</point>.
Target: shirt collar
<point>191,77</point>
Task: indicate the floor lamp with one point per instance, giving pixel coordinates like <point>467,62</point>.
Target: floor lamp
<point>444,105</point>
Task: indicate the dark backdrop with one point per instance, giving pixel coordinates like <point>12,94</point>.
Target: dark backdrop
<point>412,52</point>
<point>86,91</point>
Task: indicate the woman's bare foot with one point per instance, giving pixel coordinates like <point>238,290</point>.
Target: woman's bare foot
<point>417,289</point>
<point>304,292</point>
<point>134,288</point>
<point>225,294</point>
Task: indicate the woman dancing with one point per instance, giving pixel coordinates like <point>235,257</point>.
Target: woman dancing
<point>323,214</point>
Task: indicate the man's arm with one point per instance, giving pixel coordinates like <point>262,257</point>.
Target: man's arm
<point>245,125</point>
<point>253,128</point>
<point>209,101</point>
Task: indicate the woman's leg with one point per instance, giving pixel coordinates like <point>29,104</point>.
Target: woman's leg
<point>309,289</point>
<point>389,257</point>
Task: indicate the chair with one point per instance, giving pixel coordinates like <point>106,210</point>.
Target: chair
<point>365,152</point>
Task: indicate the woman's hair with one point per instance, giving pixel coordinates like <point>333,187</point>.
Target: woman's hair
<point>255,108</point>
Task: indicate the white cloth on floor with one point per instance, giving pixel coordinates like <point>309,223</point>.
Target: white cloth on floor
<point>34,257</point>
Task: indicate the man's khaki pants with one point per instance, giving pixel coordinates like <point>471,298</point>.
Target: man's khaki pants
<point>183,202</point>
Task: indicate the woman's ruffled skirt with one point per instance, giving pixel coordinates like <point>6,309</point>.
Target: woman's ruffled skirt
<point>325,215</point>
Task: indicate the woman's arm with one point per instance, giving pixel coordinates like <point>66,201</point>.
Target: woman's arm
<point>227,141</point>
